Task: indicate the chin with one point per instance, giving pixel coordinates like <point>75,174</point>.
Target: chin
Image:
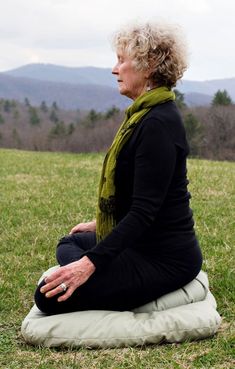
<point>125,93</point>
<point>121,90</point>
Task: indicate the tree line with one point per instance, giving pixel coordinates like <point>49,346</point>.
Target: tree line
<point>210,130</point>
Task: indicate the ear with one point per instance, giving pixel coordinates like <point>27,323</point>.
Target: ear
<point>148,73</point>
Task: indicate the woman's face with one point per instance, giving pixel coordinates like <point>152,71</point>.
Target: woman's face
<point>132,83</point>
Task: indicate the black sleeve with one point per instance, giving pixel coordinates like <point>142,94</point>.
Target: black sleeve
<point>154,167</point>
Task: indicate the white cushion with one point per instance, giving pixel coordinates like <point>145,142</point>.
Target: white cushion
<point>194,291</point>
<point>167,321</point>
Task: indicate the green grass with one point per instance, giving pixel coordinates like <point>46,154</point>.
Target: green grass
<point>42,196</point>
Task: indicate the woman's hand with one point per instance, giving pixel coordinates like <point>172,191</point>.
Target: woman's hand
<point>72,276</point>
<point>84,227</point>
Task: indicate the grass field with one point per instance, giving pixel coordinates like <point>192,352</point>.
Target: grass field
<point>42,196</point>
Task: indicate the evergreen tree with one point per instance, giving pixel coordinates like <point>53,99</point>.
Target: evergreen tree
<point>179,99</point>
<point>34,118</point>
<point>221,98</point>
<point>7,106</point>
<point>111,112</point>
<point>44,107</point>
<point>27,102</point>
<point>16,114</point>
<point>53,117</point>
<point>1,119</point>
<point>194,133</point>
<point>58,130</point>
<point>93,116</point>
<point>54,106</point>
<point>71,129</point>
<point>16,138</point>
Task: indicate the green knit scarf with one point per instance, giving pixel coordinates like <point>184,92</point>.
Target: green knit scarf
<point>105,216</point>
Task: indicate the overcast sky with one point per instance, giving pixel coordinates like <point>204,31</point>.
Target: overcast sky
<point>77,32</point>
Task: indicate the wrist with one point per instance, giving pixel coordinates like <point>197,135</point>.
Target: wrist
<point>89,263</point>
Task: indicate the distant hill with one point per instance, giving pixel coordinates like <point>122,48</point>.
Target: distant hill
<point>56,73</point>
<point>197,99</point>
<point>90,87</point>
<point>208,87</point>
<point>67,96</point>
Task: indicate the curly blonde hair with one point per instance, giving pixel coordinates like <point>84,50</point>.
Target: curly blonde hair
<point>157,47</point>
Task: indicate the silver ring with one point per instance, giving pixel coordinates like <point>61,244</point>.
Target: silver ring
<point>63,286</point>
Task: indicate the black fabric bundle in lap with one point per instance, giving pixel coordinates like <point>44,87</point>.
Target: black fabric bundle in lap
<point>131,280</point>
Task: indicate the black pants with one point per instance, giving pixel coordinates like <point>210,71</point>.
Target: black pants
<point>131,280</point>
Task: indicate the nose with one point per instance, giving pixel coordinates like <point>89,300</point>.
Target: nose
<point>115,69</point>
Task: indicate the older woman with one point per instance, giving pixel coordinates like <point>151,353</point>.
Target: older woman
<point>142,244</point>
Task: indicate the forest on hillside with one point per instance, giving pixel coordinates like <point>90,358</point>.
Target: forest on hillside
<point>210,130</point>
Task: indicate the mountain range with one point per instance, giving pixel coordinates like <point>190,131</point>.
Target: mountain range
<point>90,87</point>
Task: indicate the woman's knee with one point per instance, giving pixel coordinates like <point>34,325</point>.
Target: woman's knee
<point>46,305</point>
<point>66,240</point>
<point>64,248</point>
<point>39,297</point>
<point>61,253</point>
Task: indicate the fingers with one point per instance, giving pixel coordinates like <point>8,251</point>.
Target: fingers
<point>54,291</point>
<point>51,292</point>
<point>66,295</point>
<point>72,276</point>
<point>73,230</point>
<point>54,288</point>
<point>84,227</point>
<point>54,280</point>
<point>76,229</point>
<point>50,286</point>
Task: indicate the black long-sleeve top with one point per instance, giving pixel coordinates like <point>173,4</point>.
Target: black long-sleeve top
<point>153,212</point>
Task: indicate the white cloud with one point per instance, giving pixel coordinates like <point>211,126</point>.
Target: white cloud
<point>196,7</point>
<point>77,32</point>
